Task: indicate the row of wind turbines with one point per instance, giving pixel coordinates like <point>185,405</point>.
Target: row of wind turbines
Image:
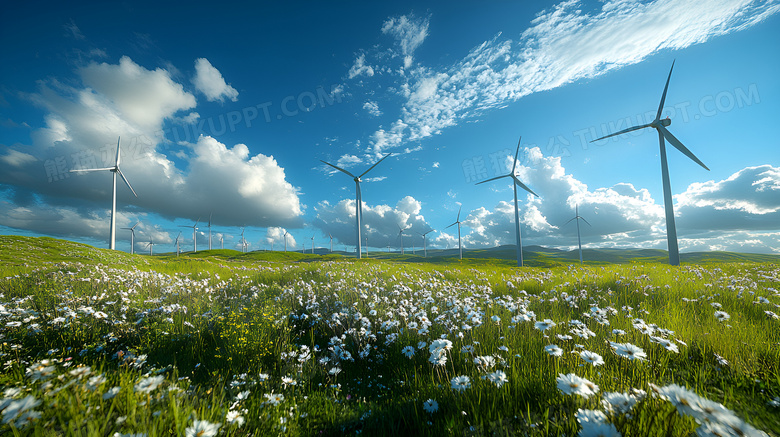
<point>660,125</point>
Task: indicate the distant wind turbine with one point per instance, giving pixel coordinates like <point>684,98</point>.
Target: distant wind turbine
<point>425,247</point>
<point>210,229</point>
<point>177,243</point>
<point>222,241</point>
<point>516,183</point>
<point>660,126</point>
<point>312,244</point>
<point>194,234</point>
<point>115,169</point>
<point>358,198</point>
<point>331,242</point>
<point>457,222</point>
<point>285,240</point>
<point>401,236</point>
<point>243,241</point>
<point>150,244</point>
<point>132,236</point>
<point>577,217</point>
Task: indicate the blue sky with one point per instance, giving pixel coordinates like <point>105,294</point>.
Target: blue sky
<point>228,110</point>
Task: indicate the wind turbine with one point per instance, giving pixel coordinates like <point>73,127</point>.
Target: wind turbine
<point>115,169</point>
<point>243,241</point>
<point>358,198</point>
<point>177,243</point>
<point>210,229</point>
<point>194,234</point>
<point>132,236</point>
<point>285,240</point>
<point>331,242</point>
<point>516,183</point>
<point>578,218</point>
<point>366,246</point>
<point>312,244</point>
<point>150,244</point>
<point>401,236</point>
<point>222,241</point>
<point>425,248</point>
<point>457,222</point>
<point>660,126</point>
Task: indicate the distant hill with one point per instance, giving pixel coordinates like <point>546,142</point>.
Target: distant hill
<point>17,250</point>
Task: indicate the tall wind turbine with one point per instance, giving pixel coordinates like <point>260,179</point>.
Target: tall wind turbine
<point>115,169</point>
<point>243,241</point>
<point>358,198</point>
<point>660,125</point>
<point>177,243</point>
<point>425,248</point>
<point>331,242</point>
<point>132,236</point>
<point>516,183</point>
<point>194,234</point>
<point>578,218</point>
<point>457,222</point>
<point>222,241</point>
<point>150,244</point>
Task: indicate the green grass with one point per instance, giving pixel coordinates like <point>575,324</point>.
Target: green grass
<point>221,329</point>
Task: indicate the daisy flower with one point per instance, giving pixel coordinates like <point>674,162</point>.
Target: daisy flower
<point>460,383</point>
<point>408,351</point>
<point>592,358</point>
<point>590,416</point>
<point>498,378</point>
<point>148,385</point>
<point>274,398</point>
<point>572,384</point>
<point>553,350</point>
<point>202,428</point>
<point>544,325</point>
<point>722,316</point>
<point>431,406</point>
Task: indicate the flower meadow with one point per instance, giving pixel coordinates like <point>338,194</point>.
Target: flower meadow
<point>103,343</point>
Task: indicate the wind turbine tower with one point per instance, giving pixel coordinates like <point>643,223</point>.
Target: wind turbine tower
<point>515,183</point>
<point>150,244</point>
<point>177,244</point>
<point>358,198</point>
<point>577,217</point>
<point>285,240</point>
<point>132,236</point>
<point>425,247</point>
<point>210,230</point>
<point>457,222</point>
<point>331,242</point>
<point>115,169</point>
<point>194,234</point>
<point>660,125</point>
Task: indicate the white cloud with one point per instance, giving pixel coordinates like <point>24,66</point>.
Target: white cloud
<point>380,222</point>
<point>210,82</point>
<point>372,108</point>
<point>81,128</point>
<point>409,32</point>
<point>435,164</point>
<point>274,236</point>
<point>359,67</point>
<point>500,71</point>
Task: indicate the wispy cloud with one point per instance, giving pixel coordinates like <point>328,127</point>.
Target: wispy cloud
<point>210,82</point>
<point>563,44</point>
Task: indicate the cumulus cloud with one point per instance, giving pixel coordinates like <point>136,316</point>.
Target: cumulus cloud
<point>81,127</point>
<point>372,108</point>
<point>740,213</point>
<point>380,223</point>
<point>210,82</point>
<point>274,237</point>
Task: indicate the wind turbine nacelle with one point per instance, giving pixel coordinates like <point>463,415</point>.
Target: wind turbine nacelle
<point>666,121</point>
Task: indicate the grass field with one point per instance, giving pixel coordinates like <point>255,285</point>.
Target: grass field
<point>98,342</point>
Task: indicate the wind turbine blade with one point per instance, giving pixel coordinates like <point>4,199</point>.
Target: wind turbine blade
<point>91,169</point>
<point>135,225</point>
<point>125,179</point>
<point>663,96</point>
<point>570,220</point>
<point>457,220</point>
<point>451,225</point>
<point>522,185</point>
<point>117,151</point>
<point>514,164</point>
<point>372,167</point>
<point>338,168</point>
<point>586,221</point>
<point>677,144</point>
<point>631,129</point>
<point>492,179</point>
